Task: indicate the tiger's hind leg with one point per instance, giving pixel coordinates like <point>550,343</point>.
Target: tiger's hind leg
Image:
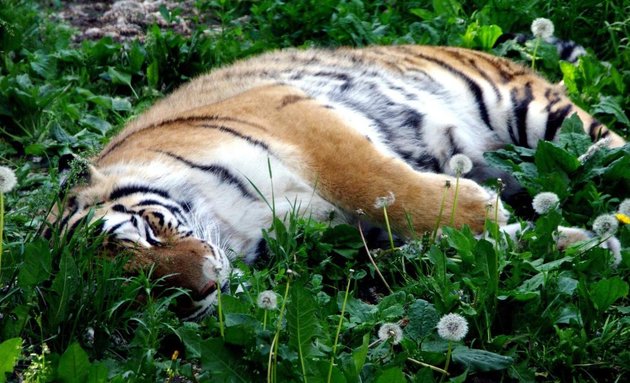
<point>349,171</point>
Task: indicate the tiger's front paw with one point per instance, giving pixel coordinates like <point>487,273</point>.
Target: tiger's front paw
<point>476,204</point>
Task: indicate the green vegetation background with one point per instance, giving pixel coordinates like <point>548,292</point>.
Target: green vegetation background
<point>536,314</point>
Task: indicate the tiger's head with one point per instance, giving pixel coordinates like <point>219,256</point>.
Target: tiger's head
<point>159,232</point>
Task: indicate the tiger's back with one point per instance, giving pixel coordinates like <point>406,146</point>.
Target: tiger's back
<point>313,132</point>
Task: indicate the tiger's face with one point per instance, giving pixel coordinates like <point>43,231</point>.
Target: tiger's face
<point>157,231</point>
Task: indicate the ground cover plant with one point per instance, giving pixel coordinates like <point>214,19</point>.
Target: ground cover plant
<point>322,308</point>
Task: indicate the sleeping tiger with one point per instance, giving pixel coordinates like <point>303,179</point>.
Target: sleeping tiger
<point>188,185</point>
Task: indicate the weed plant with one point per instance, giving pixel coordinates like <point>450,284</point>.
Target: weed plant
<point>534,312</point>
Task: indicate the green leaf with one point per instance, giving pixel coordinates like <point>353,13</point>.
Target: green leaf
<point>302,320</point>
<point>119,77</point>
<point>359,354</point>
<point>96,123</point>
<point>605,292</point>
<point>153,74</point>
<point>550,158</point>
<point>37,264</point>
<point>222,364</point>
<point>98,373</point>
<point>10,351</point>
<point>423,318</point>
<point>392,375</point>
<point>487,35</point>
<point>480,360</point>
<point>610,105</point>
<point>572,136</point>
<point>73,365</point>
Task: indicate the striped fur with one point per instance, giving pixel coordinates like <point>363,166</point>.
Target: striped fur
<point>320,131</point>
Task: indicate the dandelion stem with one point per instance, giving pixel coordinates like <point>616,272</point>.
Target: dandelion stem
<point>439,218</point>
<point>378,271</point>
<point>455,199</point>
<point>389,229</point>
<point>434,368</point>
<point>534,55</point>
<point>265,320</point>
<point>448,359</point>
<point>341,317</point>
<point>274,344</point>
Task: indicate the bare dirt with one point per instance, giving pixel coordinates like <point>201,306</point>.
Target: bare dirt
<point>125,20</point>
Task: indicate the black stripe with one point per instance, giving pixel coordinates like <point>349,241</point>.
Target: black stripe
<point>148,202</point>
<point>520,105</point>
<point>236,133</point>
<point>150,237</point>
<point>554,121</point>
<point>116,227</point>
<point>217,170</point>
<point>593,130</point>
<point>124,191</point>
<point>470,83</point>
<point>179,120</point>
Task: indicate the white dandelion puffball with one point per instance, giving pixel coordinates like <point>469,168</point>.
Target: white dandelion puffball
<point>545,202</point>
<point>267,300</point>
<point>542,28</point>
<point>452,327</point>
<point>460,163</point>
<point>624,207</point>
<point>605,225</point>
<point>7,179</point>
<point>391,332</point>
<point>385,201</point>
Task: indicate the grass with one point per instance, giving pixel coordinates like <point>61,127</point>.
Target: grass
<point>535,313</point>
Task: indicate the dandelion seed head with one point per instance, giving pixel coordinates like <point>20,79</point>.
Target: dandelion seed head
<point>605,225</point>
<point>624,207</point>
<point>460,164</point>
<point>545,202</point>
<point>542,28</point>
<point>391,332</point>
<point>7,179</point>
<point>267,300</point>
<point>452,327</point>
<point>384,201</point>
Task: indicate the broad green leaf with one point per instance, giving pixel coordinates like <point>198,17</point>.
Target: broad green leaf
<point>422,320</point>
<point>392,375</point>
<point>10,351</point>
<point>73,365</point>
<point>487,35</point>
<point>480,360</point>
<point>37,264</point>
<point>96,123</point>
<point>550,158</point>
<point>98,373</point>
<point>240,328</point>
<point>359,354</point>
<point>121,104</point>
<point>222,364</point>
<point>572,136</point>
<point>610,105</point>
<point>302,321</point>
<point>118,77</point>
<point>605,292</point>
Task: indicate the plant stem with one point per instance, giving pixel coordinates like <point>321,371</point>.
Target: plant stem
<point>274,344</point>
<point>389,229</point>
<point>535,50</point>
<point>448,360</point>
<point>378,271</point>
<point>439,219</point>
<point>343,310</point>
<point>434,368</point>
<point>455,199</point>
<point>265,320</point>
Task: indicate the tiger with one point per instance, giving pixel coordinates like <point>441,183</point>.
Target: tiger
<point>189,185</point>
